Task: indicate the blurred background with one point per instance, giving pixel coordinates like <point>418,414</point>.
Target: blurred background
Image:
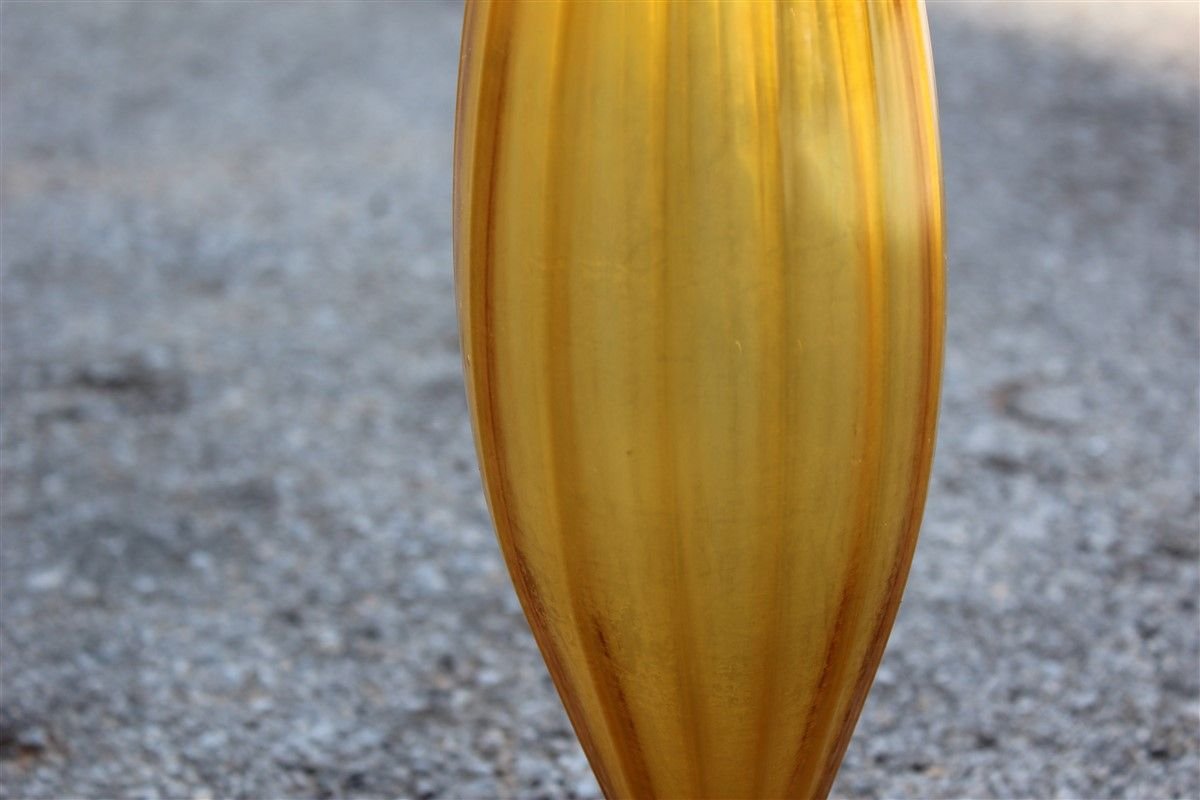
<point>245,552</point>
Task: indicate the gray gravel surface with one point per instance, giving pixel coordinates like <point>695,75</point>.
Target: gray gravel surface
<point>244,550</point>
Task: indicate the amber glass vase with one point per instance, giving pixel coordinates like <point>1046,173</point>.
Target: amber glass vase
<point>698,253</point>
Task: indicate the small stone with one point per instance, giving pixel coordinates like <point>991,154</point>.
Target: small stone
<point>429,579</point>
<point>492,742</point>
<point>1064,406</point>
<point>329,640</point>
<point>33,739</point>
<point>212,740</point>
<point>201,561</point>
<point>144,584</point>
<point>47,580</point>
<point>489,677</point>
<point>586,788</point>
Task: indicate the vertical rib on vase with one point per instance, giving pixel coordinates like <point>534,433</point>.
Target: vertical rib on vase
<point>698,255</point>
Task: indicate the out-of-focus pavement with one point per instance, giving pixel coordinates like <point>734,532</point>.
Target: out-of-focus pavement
<point>244,550</point>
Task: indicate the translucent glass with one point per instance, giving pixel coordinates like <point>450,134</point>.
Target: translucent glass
<point>699,265</point>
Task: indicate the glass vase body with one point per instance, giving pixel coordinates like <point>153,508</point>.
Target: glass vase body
<point>698,257</point>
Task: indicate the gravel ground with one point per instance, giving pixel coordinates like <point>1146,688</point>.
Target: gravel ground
<point>244,549</point>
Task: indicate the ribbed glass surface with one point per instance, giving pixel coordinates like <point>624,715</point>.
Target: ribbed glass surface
<point>699,266</point>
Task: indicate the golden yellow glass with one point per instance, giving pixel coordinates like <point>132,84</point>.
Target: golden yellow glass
<point>699,265</point>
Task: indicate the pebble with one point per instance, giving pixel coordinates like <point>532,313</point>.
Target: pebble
<point>47,580</point>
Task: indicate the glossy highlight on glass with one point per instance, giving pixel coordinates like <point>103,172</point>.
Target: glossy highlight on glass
<point>698,255</point>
